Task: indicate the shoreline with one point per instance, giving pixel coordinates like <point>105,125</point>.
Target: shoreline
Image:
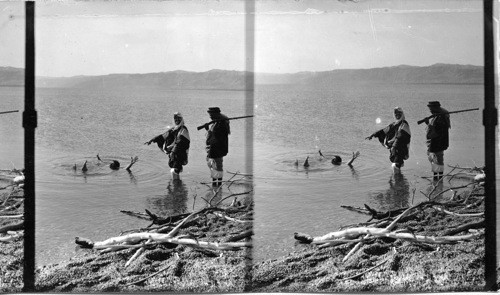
<point>380,265</point>
<point>386,264</point>
<point>165,267</point>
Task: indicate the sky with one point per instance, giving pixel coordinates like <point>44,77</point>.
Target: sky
<point>271,36</point>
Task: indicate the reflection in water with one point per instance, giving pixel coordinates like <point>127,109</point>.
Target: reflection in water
<point>396,196</point>
<point>174,201</point>
<point>354,173</point>
<point>133,180</point>
<point>435,191</point>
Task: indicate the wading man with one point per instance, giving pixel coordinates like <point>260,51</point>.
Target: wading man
<point>217,143</point>
<point>396,137</point>
<point>175,143</point>
<point>437,137</point>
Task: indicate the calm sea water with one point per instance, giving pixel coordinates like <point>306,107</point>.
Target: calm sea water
<point>292,124</point>
<point>76,125</point>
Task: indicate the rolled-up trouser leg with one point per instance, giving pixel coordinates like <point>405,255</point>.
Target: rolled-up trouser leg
<point>437,163</point>
<point>216,170</point>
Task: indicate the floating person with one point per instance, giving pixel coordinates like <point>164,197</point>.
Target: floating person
<point>337,160</point>
<point>396,137</point>
<point>84,168</point>
<point>296,163</point>
<point>175,143</point>
<point>115,165</point>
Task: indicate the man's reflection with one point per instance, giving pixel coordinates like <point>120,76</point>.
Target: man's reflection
<point>174,201</point>
<point>396,196</point>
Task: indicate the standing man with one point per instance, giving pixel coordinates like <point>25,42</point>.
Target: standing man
<point>396,137</point>
<point>175,143</point>
<point>437,137</point>
<point>217,144</point>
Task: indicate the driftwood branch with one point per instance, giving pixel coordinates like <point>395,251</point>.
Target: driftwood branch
<point>11,237</point>
<point>465,227</point>
<point>240,236</point>
<point>12,227</point>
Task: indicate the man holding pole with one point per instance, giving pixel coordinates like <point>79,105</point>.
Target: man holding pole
<point>217,143</point>
<point>437,137</point>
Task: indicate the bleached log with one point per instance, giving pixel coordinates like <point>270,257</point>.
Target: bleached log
<point>14,227</point>
<point>480,214</point>
<point>230,218</point>
<point>340,242</point>
<point>12,216</point>
<point>169,235</point>
<point>137,253</point>
<point>11,237</point>
<point>419,238</point>
<point>125,242</point>
<point>355,248</point>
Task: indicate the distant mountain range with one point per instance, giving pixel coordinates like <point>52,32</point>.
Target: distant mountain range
<point>236,80</point>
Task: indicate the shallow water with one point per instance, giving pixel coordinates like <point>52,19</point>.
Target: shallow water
<point>293,124</point>
<point>290,124</point>
<point>76,125</point>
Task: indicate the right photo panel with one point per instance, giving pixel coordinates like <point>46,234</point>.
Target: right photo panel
<point>368,146</point>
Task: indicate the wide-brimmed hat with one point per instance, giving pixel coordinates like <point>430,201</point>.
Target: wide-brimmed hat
<point>213,110</point>
<point>433,104</point>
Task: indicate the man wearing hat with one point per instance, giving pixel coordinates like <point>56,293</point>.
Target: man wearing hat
<point>217,144</point>
<point>437,137</point>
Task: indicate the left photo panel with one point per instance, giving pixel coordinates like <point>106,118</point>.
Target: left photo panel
<point>12,44</point>
<point>143,147</point>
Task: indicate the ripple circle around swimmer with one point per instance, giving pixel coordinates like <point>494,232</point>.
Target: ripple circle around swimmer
<point>367,164</point>
<point>60,168</point>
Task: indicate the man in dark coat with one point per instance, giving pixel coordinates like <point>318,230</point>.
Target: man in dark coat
<point>437,137</point>
<point>175,143</point>
<point>217,143</point>
<point>396,137</point>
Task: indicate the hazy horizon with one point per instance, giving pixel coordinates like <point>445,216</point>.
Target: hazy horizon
<point>263,73</point>
<point>103,37</point>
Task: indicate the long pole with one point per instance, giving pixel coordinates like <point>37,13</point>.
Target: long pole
<point>8,112</point>
<point>490,118</point>
<point>445,113</point>
<point>29,124</point>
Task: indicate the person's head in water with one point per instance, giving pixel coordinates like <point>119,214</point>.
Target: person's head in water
<point>115,165</point>
<point>337,160</point>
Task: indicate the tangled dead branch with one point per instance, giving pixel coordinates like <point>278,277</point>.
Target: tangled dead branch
<point>183,229</point>
<point>468,220</point>
<point>11,206</point>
